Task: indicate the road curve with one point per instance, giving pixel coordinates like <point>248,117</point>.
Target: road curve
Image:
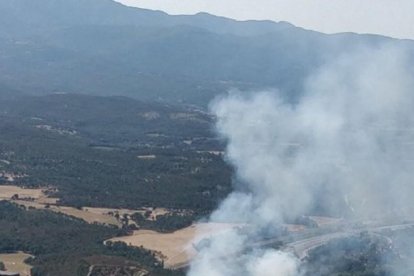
<point>302,248</point>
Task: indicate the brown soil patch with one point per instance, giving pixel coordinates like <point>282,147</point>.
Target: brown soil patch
<point>15,263</point>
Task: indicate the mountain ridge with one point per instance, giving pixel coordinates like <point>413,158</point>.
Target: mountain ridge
<point>102,47</point>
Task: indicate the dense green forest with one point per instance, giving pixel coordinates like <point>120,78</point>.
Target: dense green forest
<point>65,245</point>
<point>364,255</point>
<point>164,223</point>
<point>116,121</point>
<point>104,152</point>
<point>88,157</point>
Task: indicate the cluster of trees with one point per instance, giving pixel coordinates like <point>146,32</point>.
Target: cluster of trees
<point>182,176</point>
<point>164,223</point>
<point>61,244</point>
<point>85,176</point>
<point>363,255</point>
<point>115,121</point>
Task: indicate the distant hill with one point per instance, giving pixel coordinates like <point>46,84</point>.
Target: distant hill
<point>101,47</point>
<point>35,14</point>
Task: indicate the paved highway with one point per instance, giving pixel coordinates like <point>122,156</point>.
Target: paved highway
<point>301,248</point>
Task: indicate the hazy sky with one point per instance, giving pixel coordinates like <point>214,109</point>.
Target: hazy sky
<point>388,17</point>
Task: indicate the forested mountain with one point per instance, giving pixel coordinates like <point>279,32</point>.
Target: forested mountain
<point>101,47</point>
<point>41,13</point>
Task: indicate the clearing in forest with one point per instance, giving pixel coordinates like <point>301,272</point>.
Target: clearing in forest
<point>14,262</point>
<point>39,199</point>
<point>177,248</point>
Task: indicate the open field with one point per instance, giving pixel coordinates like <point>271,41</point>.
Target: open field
<point>36,195</point>
<point>71,211</point>
<point>175,248</point>
<point>105,211</point>
<point>38,199</point>
<point>7,191</point>
<point>91,214</point>
<point>15,263</point>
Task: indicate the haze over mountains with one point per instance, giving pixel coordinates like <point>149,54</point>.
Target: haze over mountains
<point>101,47</point>
<point>103,117</point>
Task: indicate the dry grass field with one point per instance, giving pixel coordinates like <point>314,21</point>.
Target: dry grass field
<point>38,199</point>
<point>175,248</point>
<point>7,191</point>
<point>70,211</point>
<point>105,211</point>
<point>15,263</point>
<point>35,195</point>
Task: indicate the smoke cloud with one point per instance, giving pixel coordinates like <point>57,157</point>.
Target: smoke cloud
<point>345,149</point>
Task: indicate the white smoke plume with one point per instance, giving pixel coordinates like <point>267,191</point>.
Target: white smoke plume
<point>346,147</point>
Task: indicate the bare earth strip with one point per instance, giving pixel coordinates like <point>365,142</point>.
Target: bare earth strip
<point>15,263</point>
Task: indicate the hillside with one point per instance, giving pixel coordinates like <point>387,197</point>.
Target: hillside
<point>66,246</point>
<point>101,47</point>
<point>113,152</point>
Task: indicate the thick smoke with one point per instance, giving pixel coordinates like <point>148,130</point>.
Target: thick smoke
<point>345,149</point>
